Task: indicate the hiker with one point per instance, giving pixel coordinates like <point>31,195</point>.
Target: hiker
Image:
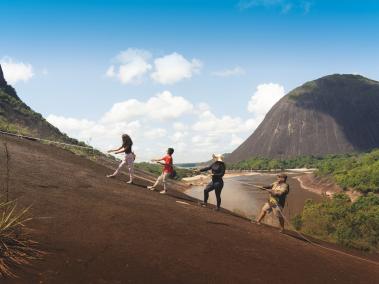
<point>278,193</point>
<point>129,158</point>
<point>168,170</point>
<point>217,183</point>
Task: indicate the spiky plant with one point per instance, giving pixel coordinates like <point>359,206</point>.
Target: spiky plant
<point>16,248</point>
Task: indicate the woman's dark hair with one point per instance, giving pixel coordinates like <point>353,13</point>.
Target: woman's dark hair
<point>170,151</point>
<point>126,140</point>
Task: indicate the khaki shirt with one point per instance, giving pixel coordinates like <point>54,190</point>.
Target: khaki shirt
<point>280,191</point>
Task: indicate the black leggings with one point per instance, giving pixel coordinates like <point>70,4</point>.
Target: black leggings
<point>217,187</point>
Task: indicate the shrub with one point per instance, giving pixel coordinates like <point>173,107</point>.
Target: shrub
<point>352,224</point>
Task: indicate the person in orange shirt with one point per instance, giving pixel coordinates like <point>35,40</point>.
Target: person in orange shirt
<point>168,170</point>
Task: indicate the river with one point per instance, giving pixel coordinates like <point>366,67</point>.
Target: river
<point>240,198</point>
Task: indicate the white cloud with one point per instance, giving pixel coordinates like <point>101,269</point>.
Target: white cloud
<point>132,65</point>
<point>173,68</point>
<point>165,120</point>
<point>155,133</point>
<point>236,71</point>
<point>162,106</point>
<point>266,95</point>
<point>236,140</point>
<point>16,71</point>
<point>179,126</point>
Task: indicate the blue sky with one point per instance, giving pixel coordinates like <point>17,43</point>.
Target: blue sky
<point>197,75</point>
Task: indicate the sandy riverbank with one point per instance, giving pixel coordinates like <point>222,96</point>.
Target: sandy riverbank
<point>323,186</point>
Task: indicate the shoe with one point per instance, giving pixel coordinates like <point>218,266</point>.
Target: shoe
<point>258,223</point>
<point>204,204</point>
<point>163,192</point>
<point>129,182</point>
<point>152,188</point>
<point>110,176</point>
<point>216,209</point>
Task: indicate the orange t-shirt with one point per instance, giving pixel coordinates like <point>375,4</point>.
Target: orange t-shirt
<point>168,164</point>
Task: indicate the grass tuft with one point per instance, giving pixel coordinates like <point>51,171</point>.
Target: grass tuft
<point>16,247</point>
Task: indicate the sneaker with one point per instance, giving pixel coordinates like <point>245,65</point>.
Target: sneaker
<point>129,182</point>
<point>163,192</point>
<point>110,176</point>
<point>204,204</point>
<point>152,188</point>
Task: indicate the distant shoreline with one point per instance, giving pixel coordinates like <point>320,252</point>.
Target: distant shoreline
<point>200,180</point>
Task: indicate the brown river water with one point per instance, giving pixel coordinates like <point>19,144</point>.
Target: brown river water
<point>245,200</point>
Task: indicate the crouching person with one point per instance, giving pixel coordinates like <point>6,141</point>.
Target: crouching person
<point>217,183</point>
<point>278,192</point>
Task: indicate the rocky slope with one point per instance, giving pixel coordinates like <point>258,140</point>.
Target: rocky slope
<point>332,115</point>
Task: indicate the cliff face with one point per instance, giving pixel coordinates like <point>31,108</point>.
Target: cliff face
<point>332,115</point>
<point>2,79</point>
<point>17,117</point>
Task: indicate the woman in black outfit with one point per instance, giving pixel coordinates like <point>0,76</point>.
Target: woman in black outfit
<point>217,183</point>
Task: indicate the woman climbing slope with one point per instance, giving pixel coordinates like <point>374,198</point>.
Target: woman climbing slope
<point>129,158</point>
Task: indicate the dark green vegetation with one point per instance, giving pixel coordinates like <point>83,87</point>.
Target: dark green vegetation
<point>157,170</point>
<point>353,224</point>
<point>339,220</point>
<point>357,171</point>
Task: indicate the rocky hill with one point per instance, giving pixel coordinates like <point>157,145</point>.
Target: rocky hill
<point>332,115</point>
<point>17,117</point>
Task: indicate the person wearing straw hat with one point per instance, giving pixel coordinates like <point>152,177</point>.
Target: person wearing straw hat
<point>278,192</point>
<point>217,183</point>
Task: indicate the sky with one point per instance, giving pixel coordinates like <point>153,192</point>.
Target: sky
<point>198,76</point>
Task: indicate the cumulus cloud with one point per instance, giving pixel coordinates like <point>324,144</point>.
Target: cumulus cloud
<point>236,71</point>
<point>16,71</point>
<point>162,106</point>
<point>265,96</point>
<point>236,140</point>
<point>173,68</point>
<point>165,120</point>
<point>155,133</point>
<point>130,66</point>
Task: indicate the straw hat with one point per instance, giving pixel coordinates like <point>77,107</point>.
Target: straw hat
<point>218,157</point>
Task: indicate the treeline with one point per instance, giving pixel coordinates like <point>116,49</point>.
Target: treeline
<point>357,171</point>
<point>353,224</point>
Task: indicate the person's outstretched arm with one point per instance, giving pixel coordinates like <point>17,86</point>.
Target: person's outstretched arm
<point>157,160</point>
<point>117,150</point>
<point>205,169</point>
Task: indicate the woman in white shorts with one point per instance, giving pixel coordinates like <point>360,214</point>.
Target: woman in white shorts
<point>129,158</point>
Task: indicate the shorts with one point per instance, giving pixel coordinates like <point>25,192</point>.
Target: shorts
<point>129,158</point>
<point>276,209</point>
